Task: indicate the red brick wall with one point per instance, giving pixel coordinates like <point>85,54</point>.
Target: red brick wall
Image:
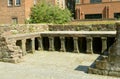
<point>28,5</point>
<point>99,8</point>
<point>9,12</point>
<point>22,12</point>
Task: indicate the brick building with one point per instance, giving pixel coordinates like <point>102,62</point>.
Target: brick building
<point>97,9</point>
<point>14,11</point>
<point>17,11</point>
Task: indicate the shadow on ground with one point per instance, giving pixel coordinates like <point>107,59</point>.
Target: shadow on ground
<point>85,68</point>
<point>82,68</point>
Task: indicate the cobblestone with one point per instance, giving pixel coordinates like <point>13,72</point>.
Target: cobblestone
<point>51,65</point>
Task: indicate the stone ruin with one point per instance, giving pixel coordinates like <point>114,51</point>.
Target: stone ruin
<point>9,52</point>
<point>109,64</point>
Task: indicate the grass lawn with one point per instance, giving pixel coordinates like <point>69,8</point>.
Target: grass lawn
<point>93,22</point>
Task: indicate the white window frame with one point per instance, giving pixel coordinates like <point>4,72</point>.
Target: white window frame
<point>10,4</point>
<point>77,1</point>
<point>17,4</point>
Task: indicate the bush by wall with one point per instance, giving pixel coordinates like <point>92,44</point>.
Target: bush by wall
<point>44,13</point>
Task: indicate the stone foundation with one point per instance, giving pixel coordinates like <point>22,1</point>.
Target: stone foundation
<point>109,65</point>
<point>9,52</point>
<point>96,27</point>
<point>26,35</point>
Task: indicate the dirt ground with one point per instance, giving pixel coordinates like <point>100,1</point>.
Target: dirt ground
<point>51,65</point>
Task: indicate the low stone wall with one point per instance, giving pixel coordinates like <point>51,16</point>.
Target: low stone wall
<point>29,28</point>
<point>9,52</point>
<point>23,28</point>
<point>97,27</point>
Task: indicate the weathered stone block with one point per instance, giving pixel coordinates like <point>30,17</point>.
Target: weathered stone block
<point>114,73</point>
<point>110,65</point>
<point>101,64</point>
<point>104,58</point>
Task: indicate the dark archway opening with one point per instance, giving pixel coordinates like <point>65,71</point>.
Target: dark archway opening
<point>45,43</point>
<point>110,41</point>
<point>19,43</point>
<point>69,45</point>
<point>57,43</point>
<point>28,45</point>
<point>82,44</point>
<point>36,44</point>
<point>97,45</point>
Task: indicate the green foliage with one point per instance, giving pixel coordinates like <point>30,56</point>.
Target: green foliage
<point>44,13</point>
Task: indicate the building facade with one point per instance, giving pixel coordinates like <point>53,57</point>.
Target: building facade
<point>97,9</point>
<point>15,11</point>
<point>18,11</point>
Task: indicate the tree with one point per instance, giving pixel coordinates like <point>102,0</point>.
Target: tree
<point>45,13</point>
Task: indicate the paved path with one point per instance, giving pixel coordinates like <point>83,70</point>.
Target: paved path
<point>51,65</point>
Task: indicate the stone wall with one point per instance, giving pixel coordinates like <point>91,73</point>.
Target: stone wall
<point>28,28</point>
<point>9,52</point>
<point>97,27</point>
<point>23,28</point>
<point>109,64</point>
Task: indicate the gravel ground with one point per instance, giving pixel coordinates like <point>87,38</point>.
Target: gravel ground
<point>51,65</point>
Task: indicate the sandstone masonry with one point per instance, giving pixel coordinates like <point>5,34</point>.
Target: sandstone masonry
<point>109,64</point>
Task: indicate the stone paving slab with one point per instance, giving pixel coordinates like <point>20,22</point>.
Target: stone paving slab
<point>64,33</point>
<point>79,32</point>
<point>51,65</point>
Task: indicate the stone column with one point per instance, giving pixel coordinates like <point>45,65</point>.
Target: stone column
<point>104,44</point>
<point>33,45</point>
<point>62,39</point>
<point>76,49</point>
<point>89,45</point>
<point>40,46</point>
<point>51,43</point>
<point>24,47</point>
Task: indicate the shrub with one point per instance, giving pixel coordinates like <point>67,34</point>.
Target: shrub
<point>44,13</point>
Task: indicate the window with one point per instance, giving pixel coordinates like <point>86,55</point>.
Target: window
<point>15,20</point>
<point>35,2</point>
<point>77,1</point>
<point>93,16</point>
<point>10,2</point>
<point>117,15</point>
<point>95,1</point>
<point>17,2</point>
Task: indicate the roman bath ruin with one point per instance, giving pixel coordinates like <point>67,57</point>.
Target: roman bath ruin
<point>17,41</point>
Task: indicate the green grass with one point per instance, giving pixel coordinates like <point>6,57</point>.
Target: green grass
<point>92,22</point>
